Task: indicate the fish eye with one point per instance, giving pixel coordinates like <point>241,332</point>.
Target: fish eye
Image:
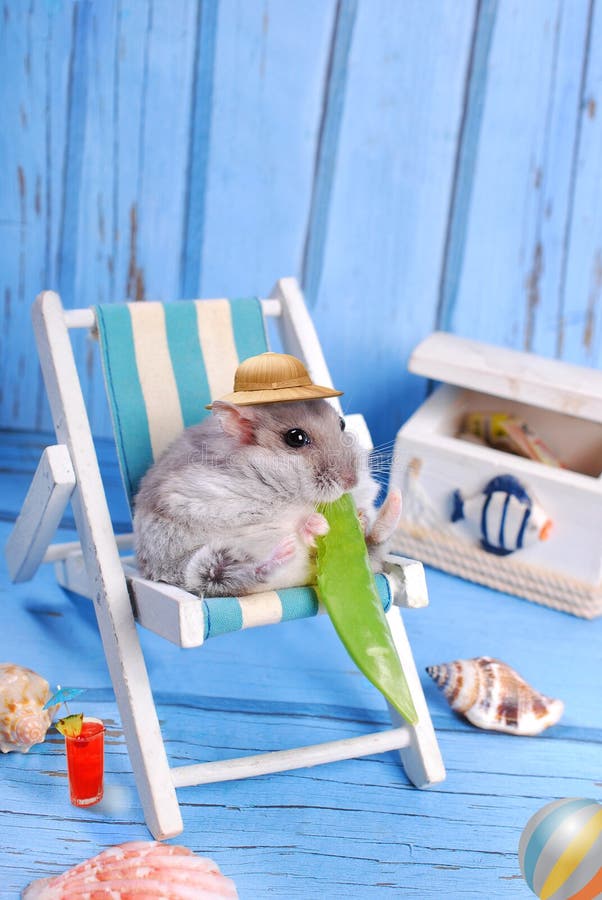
<point>342,423</point>
<point>297,438</point>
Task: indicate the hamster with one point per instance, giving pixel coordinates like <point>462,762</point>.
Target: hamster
<point>230,507</point>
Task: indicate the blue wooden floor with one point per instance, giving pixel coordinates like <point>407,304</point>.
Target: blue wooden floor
<point>354,829</point>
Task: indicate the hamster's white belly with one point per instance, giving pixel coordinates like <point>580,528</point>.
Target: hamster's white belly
<point>261,541</point>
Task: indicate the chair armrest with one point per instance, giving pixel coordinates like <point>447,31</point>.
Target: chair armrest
<point>407,580</point>
<point>42,510</point>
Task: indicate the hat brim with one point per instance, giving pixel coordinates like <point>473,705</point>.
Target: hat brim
<point>278,395</point>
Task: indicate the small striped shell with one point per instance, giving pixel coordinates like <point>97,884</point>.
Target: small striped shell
<point>23,722</point>
<point>493,696</point>
<point>144,869</point>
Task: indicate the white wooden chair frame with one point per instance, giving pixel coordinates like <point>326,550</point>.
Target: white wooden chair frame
<point>94,568</point>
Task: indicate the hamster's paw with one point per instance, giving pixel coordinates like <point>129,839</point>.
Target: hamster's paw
<point>314,526</point>
<point>386,519</point>
<point>282,553</point>
<point>364,520</point>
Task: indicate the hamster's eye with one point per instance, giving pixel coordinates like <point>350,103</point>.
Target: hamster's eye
<point>342,423</point>
<point>296,438</point>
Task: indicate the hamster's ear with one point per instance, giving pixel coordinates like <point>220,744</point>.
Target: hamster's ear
<point>237,421</point>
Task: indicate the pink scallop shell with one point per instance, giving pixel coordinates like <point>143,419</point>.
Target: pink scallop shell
<point>141,869</point>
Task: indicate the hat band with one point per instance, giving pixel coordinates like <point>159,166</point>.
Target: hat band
<point>301,381</point>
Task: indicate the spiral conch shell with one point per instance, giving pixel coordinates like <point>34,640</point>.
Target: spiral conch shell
<point>23,722</point>
<point>491,695</point>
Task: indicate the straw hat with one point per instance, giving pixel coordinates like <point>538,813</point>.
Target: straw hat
<point>274,378</point>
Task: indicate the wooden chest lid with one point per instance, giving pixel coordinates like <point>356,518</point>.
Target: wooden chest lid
<point>525,377</point>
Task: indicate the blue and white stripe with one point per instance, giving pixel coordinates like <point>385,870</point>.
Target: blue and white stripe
<point>223,615</point>
<point>164,362</point>
<point>504,520</point>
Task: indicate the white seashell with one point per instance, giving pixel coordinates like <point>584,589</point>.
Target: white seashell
<point>23,722</point>
<point>168,870</point>
<point>491,695</point>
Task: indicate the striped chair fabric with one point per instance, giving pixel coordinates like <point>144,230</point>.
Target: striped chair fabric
<point>225,614</point>
<point>162,363</point>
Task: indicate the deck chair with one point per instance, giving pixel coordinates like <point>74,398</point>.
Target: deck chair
<point>162,363</point>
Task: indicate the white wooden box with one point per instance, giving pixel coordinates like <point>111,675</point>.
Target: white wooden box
<point>563,404</point>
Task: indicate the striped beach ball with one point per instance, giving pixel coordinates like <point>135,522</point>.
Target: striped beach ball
<point>560,851</point>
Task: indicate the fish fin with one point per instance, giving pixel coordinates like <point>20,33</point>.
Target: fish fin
<point>508,484</point>
<point>458,506</point>
<point>499,551</point>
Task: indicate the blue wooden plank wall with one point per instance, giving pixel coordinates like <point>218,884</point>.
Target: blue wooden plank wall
<point>416,164</point>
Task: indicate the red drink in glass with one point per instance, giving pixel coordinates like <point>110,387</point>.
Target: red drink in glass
<point>85,763</point>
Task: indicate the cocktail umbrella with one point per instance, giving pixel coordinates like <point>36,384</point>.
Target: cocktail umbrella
<point>63,695</point>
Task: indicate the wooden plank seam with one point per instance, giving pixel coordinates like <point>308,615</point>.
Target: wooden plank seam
<point>470,130</point>
<point>327,147</point>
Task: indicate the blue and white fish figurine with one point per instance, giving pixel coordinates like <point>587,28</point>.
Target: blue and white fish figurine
<point>504,514</point>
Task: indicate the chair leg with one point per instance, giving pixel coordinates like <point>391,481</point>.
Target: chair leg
<point>421,758</point>
<point>145,742</point>
<point>103,566</point>
<point>138,714</point>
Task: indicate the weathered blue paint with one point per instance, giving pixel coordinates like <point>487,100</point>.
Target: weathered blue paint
<point>553,212</point>
<point>580,331</point>
<point>155,199</point>
<point>327,147</point>
<point>74,149</point>
<point>414,170</point>
<point>35,48</point>
<point>509,286</point>
<point>468,142</point>
<point>268,87</point>
<point>198,154</point>
<point>389,202</point>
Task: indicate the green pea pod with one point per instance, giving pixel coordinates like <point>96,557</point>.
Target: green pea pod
<point>347,589</point>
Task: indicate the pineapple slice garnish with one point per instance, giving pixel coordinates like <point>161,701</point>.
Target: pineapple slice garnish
<point>70,726</point>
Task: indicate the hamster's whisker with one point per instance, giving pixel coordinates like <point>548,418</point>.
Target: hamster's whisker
<point>346,404</point>
<point>384,448</point>
<point>383,451</point>
<point>380,470</point>
<point>380,473</point>
<point>380,477</point>
<point>385,445</point>
<point>380,460</point>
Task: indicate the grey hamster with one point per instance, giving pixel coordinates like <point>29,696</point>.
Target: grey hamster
<point>230,506</point>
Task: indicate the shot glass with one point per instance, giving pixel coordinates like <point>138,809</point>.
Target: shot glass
<point>85,763</point>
